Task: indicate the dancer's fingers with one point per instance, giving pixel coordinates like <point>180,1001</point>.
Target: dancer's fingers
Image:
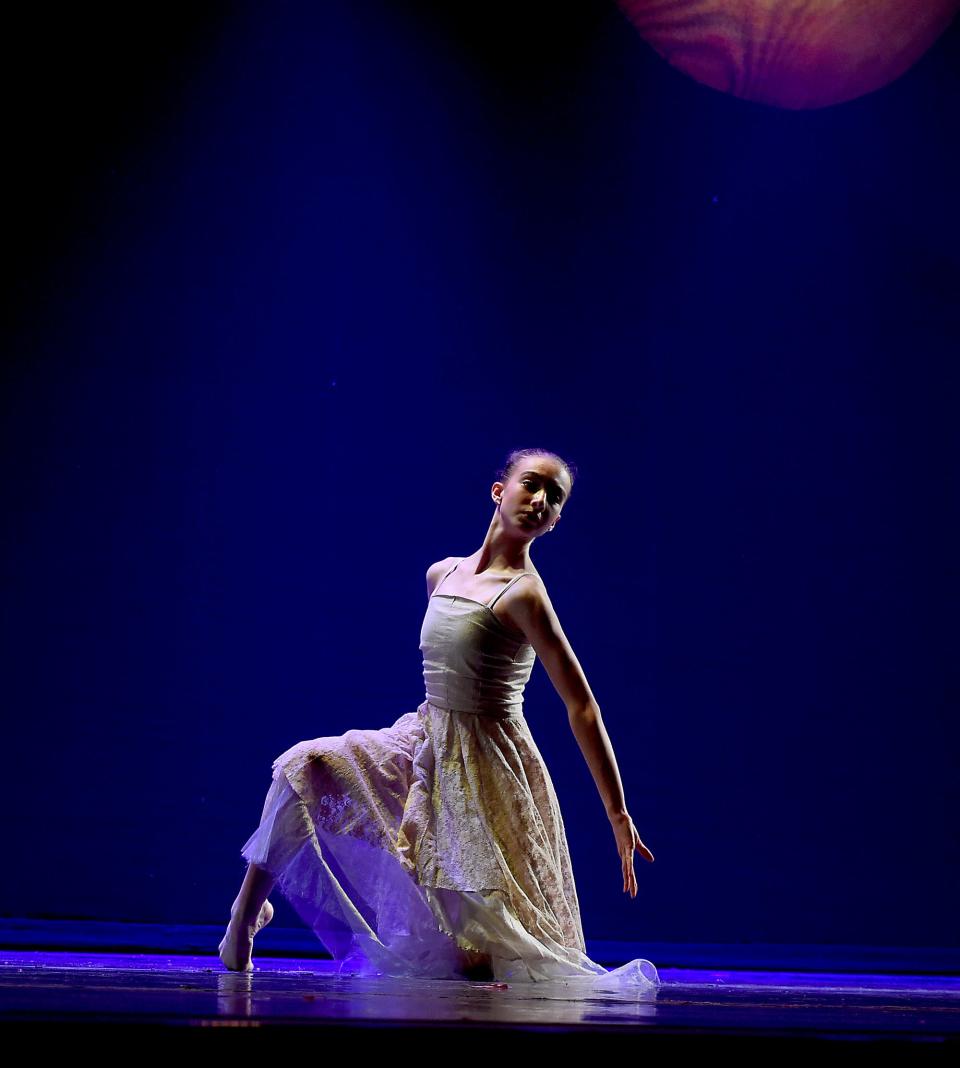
<point>629,876</point>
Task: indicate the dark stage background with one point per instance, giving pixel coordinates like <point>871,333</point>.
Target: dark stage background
<point>286,282</point>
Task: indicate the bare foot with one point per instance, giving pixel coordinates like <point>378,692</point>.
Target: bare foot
<point>236,947</point>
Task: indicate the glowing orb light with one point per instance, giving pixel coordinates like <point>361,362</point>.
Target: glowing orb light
<point>791,53</point>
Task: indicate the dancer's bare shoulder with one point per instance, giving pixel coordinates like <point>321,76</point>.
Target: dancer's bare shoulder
<point>532,611</point>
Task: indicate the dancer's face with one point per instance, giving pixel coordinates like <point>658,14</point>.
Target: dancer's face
<point>533,496</point>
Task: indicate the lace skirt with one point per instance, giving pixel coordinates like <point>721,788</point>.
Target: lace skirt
<point>407,847</point>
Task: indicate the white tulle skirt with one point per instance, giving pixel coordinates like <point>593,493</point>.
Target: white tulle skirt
<point>406,848</point>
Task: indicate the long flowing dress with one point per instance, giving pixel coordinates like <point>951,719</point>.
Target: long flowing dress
<point>403,847</point>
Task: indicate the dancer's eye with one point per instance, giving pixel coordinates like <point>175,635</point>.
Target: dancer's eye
<point>556,496</point>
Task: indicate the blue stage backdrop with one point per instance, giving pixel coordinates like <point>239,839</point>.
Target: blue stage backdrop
<point>286,283</point>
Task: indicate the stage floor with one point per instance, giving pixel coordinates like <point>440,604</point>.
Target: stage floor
<point>60,991</point>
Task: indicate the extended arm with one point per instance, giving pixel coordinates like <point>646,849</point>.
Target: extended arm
<point>533,612</point>
<point>591,734</point>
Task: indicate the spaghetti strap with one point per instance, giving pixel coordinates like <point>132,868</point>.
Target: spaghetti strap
<point>450,572</point>
<point>488,604</point>
<point>507,587</point>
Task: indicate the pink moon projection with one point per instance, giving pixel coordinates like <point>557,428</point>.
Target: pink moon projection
<point>791,53</point>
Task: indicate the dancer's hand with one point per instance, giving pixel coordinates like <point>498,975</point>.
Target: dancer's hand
<point>627,841</point>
